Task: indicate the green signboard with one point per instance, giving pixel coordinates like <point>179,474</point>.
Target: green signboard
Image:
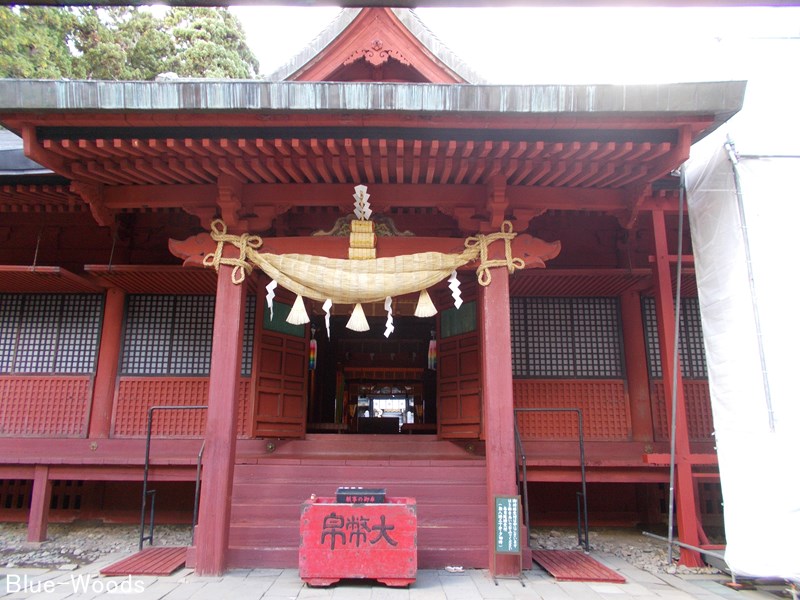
<point>457,321</point>
<point>278,321</point>
<point>506,524</point>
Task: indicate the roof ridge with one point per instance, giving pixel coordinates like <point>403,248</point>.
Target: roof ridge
<point>410,19</point>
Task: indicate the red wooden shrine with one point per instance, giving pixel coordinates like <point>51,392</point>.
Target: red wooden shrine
<point>105,312</point>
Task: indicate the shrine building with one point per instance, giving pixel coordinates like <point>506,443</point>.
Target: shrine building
<point>480,283</point>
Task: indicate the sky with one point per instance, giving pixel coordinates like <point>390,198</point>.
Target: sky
<point>595,46</point>
<point>569,45</point>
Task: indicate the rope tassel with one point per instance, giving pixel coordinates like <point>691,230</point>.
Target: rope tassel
<point>298,314</point>
<point>425,307</point>
<point>358,320</point>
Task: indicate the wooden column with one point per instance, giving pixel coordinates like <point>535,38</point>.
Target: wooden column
<point>40,504</point>
<point>685,501</point>
<point>636,368</point>
<point>105,381</point>
<point>220,440</point>
<point>498,405</point>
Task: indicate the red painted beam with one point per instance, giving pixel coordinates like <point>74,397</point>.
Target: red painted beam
<point>636,368</point>
<point>105,381</point>
<point>692,459</point>
<point>40,504</point>
<point>215,499</point>
<point>686,507</point>
<point>498,405</point>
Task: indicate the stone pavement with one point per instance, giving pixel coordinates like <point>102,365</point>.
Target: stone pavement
<point>84,583</point>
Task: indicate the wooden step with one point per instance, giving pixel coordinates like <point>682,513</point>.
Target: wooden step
<point>452,515</point>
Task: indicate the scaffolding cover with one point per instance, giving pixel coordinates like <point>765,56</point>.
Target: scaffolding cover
<point>747,290</point>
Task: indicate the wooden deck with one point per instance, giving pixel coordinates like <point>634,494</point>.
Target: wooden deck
<point>575,565</point>
<point>160,561</point>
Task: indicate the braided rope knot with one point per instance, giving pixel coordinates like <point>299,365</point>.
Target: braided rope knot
<point>245,243</point>
<point>482,243</point>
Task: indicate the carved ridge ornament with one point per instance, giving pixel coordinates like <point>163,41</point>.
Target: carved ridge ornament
<point>376,55</point>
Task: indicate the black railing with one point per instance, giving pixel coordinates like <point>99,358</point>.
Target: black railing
<point>522,477</point>
<point>152,493</point>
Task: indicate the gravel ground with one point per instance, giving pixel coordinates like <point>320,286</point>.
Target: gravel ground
<point>70,546</point>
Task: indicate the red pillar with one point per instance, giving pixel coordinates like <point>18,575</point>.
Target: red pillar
<point>220,449</point>
<point>40,504</point>
<point>498,406</point>
<point>685,502</point>
<point>105,381</point>
<point>636,368</point>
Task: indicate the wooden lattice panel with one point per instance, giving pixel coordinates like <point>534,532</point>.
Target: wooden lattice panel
<point>53,406</point>
<point>15,494</point>
<point>604,404</point>
<point>137,394</point>
<point>700,420</point>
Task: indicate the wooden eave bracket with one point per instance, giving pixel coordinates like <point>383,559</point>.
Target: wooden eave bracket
<point>524,216</point>
<point>637,196</point>
<point>36,152</point>
<point>465,217</point>
<point>93,195</point>
<point>229,199</point>
<point>496,202</point>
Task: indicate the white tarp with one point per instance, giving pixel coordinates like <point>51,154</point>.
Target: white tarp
<point>759,455</point>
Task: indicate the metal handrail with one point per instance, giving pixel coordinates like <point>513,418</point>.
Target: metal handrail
<point>152,493</point>
<point>582,498</point>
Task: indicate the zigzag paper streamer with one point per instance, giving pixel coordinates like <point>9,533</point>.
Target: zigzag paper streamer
<point>327,308</point>
<point>387,306</point>
<point>455,288</point>
<point>271,295</point>
<point>362,209</point>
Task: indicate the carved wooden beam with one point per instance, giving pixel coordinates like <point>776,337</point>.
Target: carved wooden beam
<point>93,195</point>
<point>534,251</point>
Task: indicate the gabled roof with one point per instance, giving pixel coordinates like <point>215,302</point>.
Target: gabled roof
<point>376,44</point>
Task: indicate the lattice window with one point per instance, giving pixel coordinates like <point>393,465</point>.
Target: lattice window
<point>172,335</point>
<point>148,333</point>
<point>10,305</point>
<point>192,332</point>
<point>690,342</point>
<point>249,333</point>
<point>566,337</point>
<point>49,333</point>
<point>80,334</point>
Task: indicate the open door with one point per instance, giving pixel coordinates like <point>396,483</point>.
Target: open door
<point>459,374</point>
<point>280,377</point>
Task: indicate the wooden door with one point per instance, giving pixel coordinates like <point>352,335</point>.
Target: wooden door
<point>280,379</point>
<point>459,386</point>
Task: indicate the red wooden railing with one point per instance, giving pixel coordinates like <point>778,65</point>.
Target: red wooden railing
<point>603,403</point>
<point>136,394</point>
<point>46,406</point>
<point>698,410</point>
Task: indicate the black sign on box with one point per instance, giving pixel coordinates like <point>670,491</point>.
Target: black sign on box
<point>360,495</point>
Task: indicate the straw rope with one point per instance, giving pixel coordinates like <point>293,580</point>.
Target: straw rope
<point>347,281</point>
<point>246,243</point>
<point>482,242</point>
